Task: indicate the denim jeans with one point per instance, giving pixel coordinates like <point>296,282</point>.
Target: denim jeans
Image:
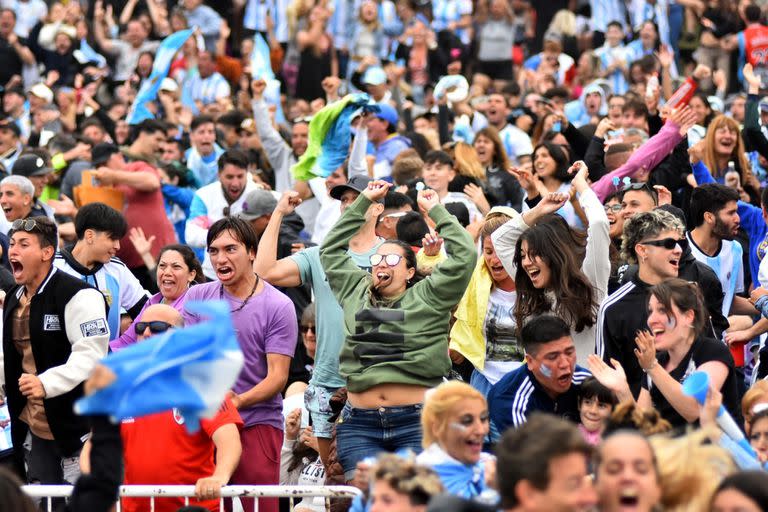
<point>362,433</point>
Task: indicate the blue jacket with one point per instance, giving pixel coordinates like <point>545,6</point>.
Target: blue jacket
<point>519,394</point>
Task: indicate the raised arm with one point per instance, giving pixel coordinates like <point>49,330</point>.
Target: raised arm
<point>278,151</point>
<point>284,272</point>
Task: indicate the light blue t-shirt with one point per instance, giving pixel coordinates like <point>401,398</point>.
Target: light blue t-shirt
<point>329,317</point>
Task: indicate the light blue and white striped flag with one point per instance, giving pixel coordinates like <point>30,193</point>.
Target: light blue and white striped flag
<point>163,59</point>
<point>190,369</point>
<point>261,67</point>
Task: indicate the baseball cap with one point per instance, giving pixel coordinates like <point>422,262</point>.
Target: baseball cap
<point>764,104</point>
<point>43,92</point>
<point>374,76</point>
<point>257,204</point>
<point>169,84</point>
<point>10,124</point>
<point>102,151</point>
<point>356,183</point>
<point>387,113</point>
<point>30,165</point>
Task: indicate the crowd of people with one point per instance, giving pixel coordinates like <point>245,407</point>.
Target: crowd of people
<point>550,220</point>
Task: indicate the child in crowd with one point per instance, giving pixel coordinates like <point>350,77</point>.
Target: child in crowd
<point>596,403</point>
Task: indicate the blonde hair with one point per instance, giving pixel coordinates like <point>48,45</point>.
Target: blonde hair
<point>493,221</point>
<point>466,161</point>
<point>710,157</point>
<point>755,394</point>
<point>690,470</point>
<point>564,23</point>
<point>438,402</point>
<point>297,10</point>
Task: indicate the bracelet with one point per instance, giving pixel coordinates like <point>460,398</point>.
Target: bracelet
<point>646,370</point>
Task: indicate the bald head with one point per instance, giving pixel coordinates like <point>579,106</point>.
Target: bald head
<point>159,313</point>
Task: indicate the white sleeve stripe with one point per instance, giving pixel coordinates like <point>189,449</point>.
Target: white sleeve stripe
<point>610,300</point>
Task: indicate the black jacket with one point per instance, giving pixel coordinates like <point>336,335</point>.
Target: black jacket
<point>64,312</point>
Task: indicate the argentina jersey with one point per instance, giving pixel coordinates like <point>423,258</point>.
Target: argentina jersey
<point>727,264</point>
<point>119,286</point>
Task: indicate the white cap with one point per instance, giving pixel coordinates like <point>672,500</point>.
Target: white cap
<point>43,92</point>
<point>169,84</point>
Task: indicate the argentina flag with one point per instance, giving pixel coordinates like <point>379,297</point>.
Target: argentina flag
<point>190,369</point>
<point>163,58</point>
<point>261,67</point>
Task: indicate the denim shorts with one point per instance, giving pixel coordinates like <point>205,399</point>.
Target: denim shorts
<point>362,433</point>
<point>317,400</point>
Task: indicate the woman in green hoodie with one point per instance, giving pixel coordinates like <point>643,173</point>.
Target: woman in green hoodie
<point>396,328</point>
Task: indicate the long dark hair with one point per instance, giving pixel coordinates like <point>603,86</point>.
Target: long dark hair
<point>562,250</point>
<point>560,157</point>
<point>190,260</point>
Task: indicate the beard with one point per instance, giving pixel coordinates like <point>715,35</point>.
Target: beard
<point>722,231</point>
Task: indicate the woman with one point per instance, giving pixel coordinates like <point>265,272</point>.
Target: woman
<point>425,60</point>
<point>677,320</point>
<point>646,43</point>
<point>398,324</point>
<point>495,39</point>
<point>399,485</point>
<point>485,331</point>
<point>493,157</point>
<point>627,473</point>
<point>724,147</point>
<point>550,166</point>
<point>455,422</point>
<point>318,56</point>
<point>177,269</point>
<point>470,176</point>
<point>755,397</point>
<point>746,491</point>
<point>555,271</point>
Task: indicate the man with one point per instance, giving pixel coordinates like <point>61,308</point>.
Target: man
<point>614,58</point>
<point>207,86</point>
<point>14,53</point>
<point>17,198</point>
<point>203,155</point>
<point>396,205</point>
<point>548,382</point>
<point>281,156</point>
<point>10,145</point>
<point>28,14</point>
<point>153,444</point>
<point>543,466</point>
<point>714,212</point>
<point>220,199</point>
<point>127,49</point>
<point>144,207</point>
<point>267,330</point>
<point>199,15</point>
<point>230,126</point>
<point>753,43</point>
<point>516,142</point>
<point>32,167</point>
<point>15,106</point>
<point>54,332</point>
<point>150,134</point>
<point>637,198</point>
<point>304,267</point>
<point>99,229</point>
<point>387,144</point>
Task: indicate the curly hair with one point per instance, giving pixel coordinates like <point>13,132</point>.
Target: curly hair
<point>404,476</point>
<point>644,226</point>
<point>562,249</point>
<point>628,416</point>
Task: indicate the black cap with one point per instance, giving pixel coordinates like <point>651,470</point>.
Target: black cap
<point>102,151</point>
<point>357,183</point>
<point>10,124</point>
<point>30,165</point>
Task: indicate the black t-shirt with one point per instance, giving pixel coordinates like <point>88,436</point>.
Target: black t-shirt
<point>702,351</point>
<point>11,63</point>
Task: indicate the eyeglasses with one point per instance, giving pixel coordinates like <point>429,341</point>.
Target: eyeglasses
<point>668,243</point>
<point>155,327</point>
<point>306,328</point>
<point>613,208</point>
<point>390,259</point>
<point>25,224</point>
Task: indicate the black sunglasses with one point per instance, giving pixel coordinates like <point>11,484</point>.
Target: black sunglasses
<point>306,328</point>
<point>668,243</point>
<point>155,327</point>
<point>25,224</point>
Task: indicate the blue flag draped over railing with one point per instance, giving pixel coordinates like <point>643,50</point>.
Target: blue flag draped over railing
<point>190,369</point>
<point>162,64</point>
<point>261,67</point>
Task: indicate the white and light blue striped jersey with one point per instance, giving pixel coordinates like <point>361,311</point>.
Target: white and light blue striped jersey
<point>516,142</point>
<point>207,90</point>
<point>608,55</point>
<point>119,286</point>
<point>445,12</point>
<point>256,12</point>
<point>606,11</point>
<point>727,264</point>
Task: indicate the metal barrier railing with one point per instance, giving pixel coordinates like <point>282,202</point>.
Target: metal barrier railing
<point>293,492</point>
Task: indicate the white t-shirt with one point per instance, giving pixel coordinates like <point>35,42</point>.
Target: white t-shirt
<point>503,351</point>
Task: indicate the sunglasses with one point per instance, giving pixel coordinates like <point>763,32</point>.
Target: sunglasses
<point>668,243</point>
<point>390,259</point>
<point>155,327</point>
<point>306,328</point>
<point>614,208</point>
<point>25,224</point>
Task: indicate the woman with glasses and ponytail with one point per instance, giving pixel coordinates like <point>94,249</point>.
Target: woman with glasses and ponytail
<point>397,328</point>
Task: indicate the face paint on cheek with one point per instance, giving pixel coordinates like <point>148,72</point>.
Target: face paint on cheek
<point>459,427</point>
<point>546,371</point>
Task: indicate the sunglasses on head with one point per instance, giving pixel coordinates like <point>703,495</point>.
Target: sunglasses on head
<point>390,259</point>
<point>638,186</point>
<point>155,327</point>
<point>668,243</point>
<point>24,224</point>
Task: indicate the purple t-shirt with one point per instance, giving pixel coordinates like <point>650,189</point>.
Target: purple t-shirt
<point>266,325</point>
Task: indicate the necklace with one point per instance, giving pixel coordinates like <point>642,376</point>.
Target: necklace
<point>253,290</point>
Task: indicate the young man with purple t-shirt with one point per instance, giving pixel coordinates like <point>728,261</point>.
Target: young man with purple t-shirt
<point>266,326</point>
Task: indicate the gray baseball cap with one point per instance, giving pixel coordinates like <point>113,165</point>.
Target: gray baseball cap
<point>257,204</point>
